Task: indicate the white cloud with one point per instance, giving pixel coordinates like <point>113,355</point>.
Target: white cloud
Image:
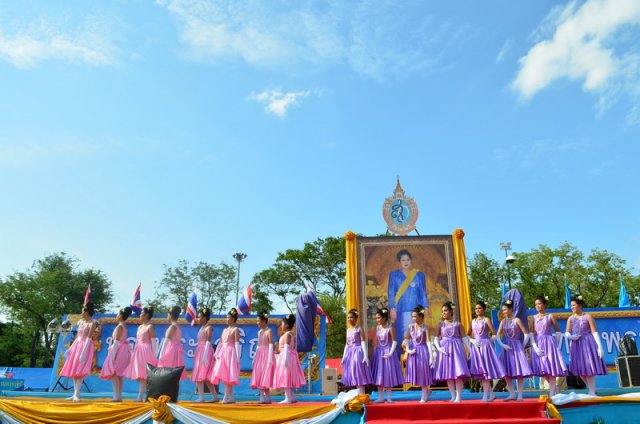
<point>375,38</point>
<point>278,102</point>
<point>594,42</point>
<point>504,50</point>
<point>45,40</point>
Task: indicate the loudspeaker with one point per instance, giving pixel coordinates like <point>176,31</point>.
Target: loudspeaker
<point>628,368</point>
<point>329,381</point>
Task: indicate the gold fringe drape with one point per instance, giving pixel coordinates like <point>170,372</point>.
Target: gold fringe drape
<point>464,295</point>
<point>351,274</point>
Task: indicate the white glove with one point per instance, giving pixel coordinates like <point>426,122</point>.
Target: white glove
<point>394,344</point>
<point>114,351</point>
<point>162,346</point>
<point>436,342</point>
<point>344,354</point>
<point>570,336</point>
<point>536,349</point>
<point>154,347</point>
<point>432,354</point>
<point>205,355</point>
<point>525,341</point>
<point>466,342</point>
<point>270,358</point>
<point>238,350</point>
<point>365,352</point>
<point>218,353</point>
<point>83,355</point>
<point>596,337</point>
<point>474,342</point>
<point>558,337</point>
<point>286,356</point>
<point>502,345</point>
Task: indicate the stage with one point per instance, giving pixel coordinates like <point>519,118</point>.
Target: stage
<point>612,405</point>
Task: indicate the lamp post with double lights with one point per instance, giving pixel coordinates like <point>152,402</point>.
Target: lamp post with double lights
<point>508,259</point>
<point>238,257</point>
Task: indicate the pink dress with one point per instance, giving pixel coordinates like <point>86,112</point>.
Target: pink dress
<point>73,366</point>
<point>262,375</point>
<point>201,370</point>
<point>290,376</point>
<point>142,355</point>
<point>173,355</point>
<point>117,361</point>
<point>227,366</point>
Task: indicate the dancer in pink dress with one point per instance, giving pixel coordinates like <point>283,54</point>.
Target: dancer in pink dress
<point>145,352</point>
<point>264,360</point>
<point>115,366</point>
<point>227,366</point>
<point>288,373</point>
<point>172,350</point>
<point>79,357</point>
<point>203,359</point>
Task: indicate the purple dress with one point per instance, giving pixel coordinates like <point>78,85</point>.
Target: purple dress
<point>515,360</point>
<point>583,353</point>
<point>386,372</point>
<point>483,361</point>
<point>454,364</point>
<point>354,371</point>
<point>552,363</point>
<point>418,371</point>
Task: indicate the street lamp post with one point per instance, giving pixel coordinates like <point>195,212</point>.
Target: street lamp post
<point>238,257</point>
<point>509,259</point>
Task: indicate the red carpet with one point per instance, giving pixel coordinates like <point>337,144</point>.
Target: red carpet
<point>469,412</point>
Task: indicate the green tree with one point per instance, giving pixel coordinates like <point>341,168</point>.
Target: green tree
<point>51,288</point>
<point>485,276</point>
<point>215,284</point>
<point>334,307</point>
<point>260,300</point>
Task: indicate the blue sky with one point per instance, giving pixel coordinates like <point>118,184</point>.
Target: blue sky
<point>134,134</point>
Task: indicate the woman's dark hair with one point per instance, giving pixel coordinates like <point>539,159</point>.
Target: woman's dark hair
<point>383,312</point>
<point>419,310</point>
<point>481,304</point>
<point>263,316</point>
<point>175,312</point>
<point>449,305</point>
<point>148,310</point>
<point>578,299</point>
<point>89,308</point>
<point>290,320</point>
<point>233,313</point>
<point>125,312</point>
<point>353,312</point>
<point>206,312</point>
<point>542,298</point>
<point>403,252</point>
<point>508,303</point>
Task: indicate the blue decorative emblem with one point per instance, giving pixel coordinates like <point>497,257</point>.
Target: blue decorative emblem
<point>400,212</point>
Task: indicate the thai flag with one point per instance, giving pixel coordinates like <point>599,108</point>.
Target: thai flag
<point>192,309</point>
<point>136,303</point>
<point>319,309</point>
<point>87,295</point>
<point>244,303</point>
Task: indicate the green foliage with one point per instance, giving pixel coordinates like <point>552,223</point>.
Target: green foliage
<point>260,301</point>
<point>51,288</point>
<point>485,277</point>
<point>215,283</point>
<point>334,306</point>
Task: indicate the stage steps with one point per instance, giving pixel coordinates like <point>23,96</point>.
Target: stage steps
<point>468,412</point>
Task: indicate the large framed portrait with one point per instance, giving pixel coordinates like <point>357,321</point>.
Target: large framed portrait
<point>401,273</point>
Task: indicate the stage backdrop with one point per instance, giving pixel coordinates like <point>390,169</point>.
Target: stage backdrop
<point>248,342</point>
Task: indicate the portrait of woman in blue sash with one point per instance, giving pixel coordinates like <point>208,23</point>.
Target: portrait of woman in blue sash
<point>407,289</point>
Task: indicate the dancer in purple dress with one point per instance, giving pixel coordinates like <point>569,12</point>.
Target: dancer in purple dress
<point>79,357</point>
<point>264,360</point>
<point>451,362</point>
<point>203,359</point>
<point>550,364</point>
<point>117,362</point>
<point>586,353</point>
<point>419,358</point>
<point>514,358</point>
<point>484,364</point>
<point>355,358</point>
<point>385,368</point>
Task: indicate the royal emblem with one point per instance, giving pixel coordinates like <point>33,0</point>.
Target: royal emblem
<point>400,212</point>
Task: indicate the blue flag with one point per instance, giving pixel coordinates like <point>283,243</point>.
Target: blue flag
<point>567,294</point>
<point>623,299</point>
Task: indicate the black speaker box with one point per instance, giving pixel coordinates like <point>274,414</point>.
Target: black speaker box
<point>628,368</point>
